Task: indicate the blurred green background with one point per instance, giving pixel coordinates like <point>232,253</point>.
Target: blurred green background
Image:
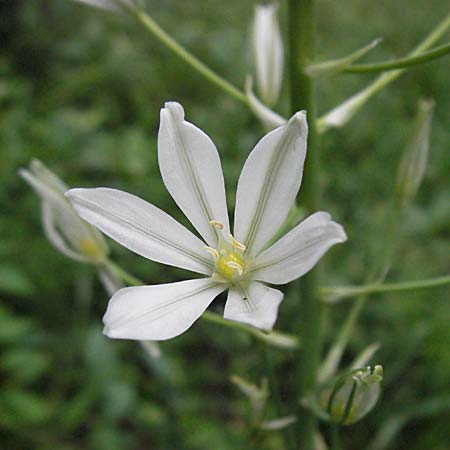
<point>81,90</point>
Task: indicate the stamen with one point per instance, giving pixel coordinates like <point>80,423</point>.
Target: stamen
<point>236,244</point>
<point>236,266</point>
<point>217,224</point>
<point>213,252</point>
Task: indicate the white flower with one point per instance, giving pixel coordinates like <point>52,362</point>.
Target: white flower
<point>62,225</point>
<point>191,170</point>
<point>268,53</point>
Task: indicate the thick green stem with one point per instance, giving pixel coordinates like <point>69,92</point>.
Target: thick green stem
<point>301,53</point>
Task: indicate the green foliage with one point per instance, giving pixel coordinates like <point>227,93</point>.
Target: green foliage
<point>81,90</point>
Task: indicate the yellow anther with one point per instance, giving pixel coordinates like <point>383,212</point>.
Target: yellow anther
<point>213,252</point>
<point>217,224</point>
<point>236,244</point>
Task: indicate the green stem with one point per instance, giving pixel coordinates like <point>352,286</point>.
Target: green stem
<point>332,294</point>
<point>301,30</point>
<point>335,438</point>
<point>124,275</point>
<point>155,29</point>
<point>273,339</point>
<point>400,63</point>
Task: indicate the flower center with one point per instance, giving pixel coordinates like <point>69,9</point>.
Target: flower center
<point>230,264</point>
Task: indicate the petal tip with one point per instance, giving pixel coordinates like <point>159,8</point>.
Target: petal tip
<point>72,193</point>
<point>342,234</point>
<point>339,232</point>
<point>175,110</point>
<point>298,120</point>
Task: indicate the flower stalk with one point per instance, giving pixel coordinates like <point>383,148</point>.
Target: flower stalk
<point>168,41</point>
<point>342,113</point>
<point>400,63</point>
<point>301,32</point>
<point>337,293</point>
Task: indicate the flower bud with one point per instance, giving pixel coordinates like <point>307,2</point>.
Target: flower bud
<point>352,396</point>
<point>68,233</point>
<point>413,163</point>
<point>268,53</point>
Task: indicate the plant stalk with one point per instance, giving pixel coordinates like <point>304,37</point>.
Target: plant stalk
<point>301,52</point>
<point>168,41</point>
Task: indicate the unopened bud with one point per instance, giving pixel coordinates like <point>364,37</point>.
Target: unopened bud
<point>352,396</point>
<point>414,160</point>
<point>268,53</point>
<point>63,227</point>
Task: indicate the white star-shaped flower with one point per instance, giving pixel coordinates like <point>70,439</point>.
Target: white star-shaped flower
<point>191,170</point>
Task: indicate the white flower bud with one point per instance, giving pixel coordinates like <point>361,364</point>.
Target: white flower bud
<point>413,163</point>
<point>68,233</point>
<point>268,53</point>
<point>352,396</point>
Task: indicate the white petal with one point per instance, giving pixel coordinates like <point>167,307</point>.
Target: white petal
<point>191,170</point>
<point>55,236</point>
<point>46,176</point>
<point>141,227</point>
<point>256,304</point>
<point>158,312</point>
<point>269,182</point>
<point>298,251</point>
<point>46,190</point>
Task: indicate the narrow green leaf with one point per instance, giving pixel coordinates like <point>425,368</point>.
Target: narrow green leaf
<point>338,65</point>
<point>401,63</point>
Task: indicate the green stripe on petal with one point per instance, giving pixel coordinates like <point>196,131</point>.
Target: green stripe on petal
<point>191,170</point>
<point>269,183</point>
